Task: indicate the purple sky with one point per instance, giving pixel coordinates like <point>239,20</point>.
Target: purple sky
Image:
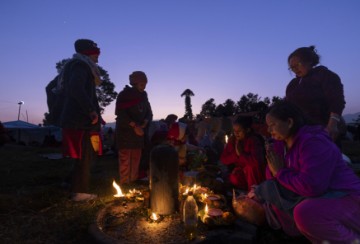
<point>217,48</point>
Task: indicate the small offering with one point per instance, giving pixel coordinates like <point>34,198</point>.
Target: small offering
<point>213,198</point>
<point>215,212</point>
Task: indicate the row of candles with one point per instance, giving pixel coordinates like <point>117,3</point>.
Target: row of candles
<point>136,194</point>
<point>131,195</point>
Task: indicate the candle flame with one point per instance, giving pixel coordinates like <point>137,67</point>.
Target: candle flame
<point>206,209</point>
<point>226,139</point>
<point>154,216</point>
<point>118,190</point>
<point>186,191</point>
<point>195,187</point>
<point>203,196</point>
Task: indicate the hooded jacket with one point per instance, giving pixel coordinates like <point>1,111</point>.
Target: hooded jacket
<point>80,98</point>
<point>314,166</point>
<point>317,94</point>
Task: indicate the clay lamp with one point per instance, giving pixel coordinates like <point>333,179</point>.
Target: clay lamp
<point>119,196</point>
<point>214,212</point>
<point>155,218</point>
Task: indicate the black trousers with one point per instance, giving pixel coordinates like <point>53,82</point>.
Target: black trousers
<point>81,169</point>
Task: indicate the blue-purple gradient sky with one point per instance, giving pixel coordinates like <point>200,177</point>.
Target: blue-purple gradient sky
<point>217,48</point>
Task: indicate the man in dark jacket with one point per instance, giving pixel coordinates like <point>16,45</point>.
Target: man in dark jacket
<point>134,116</point>
<point>80,119</point>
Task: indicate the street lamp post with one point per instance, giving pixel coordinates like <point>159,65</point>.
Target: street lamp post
<point>20,103</point>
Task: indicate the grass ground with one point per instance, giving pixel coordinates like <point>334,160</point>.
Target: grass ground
<point>34,208</point>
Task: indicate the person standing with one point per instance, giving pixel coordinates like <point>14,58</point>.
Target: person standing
<point>80,118</point>
<point>316,90</point>
<point>133,117</point>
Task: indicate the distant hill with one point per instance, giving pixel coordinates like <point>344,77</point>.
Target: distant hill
<point>349,118</point>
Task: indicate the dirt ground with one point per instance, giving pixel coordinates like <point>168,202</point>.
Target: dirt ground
<point>35,205</point>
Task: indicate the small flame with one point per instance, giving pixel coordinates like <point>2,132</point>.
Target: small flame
<point>186,191</point>
<point>203,196</point>
<point>206,209</point>
<point>154,216</point>
<point>195,188</point>
<point>118,190</point>
<point>226,139</point>
<point>134,191</point>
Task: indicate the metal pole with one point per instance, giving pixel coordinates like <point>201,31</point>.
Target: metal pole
<point>20,103</point>
<point>19,111</point>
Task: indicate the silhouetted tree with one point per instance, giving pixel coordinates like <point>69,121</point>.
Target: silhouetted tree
<point>247,103</point>
<point>219,110</point>
<point>229,108</point>
<point>208,108</point>
<point>188,110</point>
<point>275,99</point>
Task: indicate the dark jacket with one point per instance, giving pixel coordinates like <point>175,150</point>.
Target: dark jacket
<point>317,94</point>
<point>131,106</point>
<point>80,97</point>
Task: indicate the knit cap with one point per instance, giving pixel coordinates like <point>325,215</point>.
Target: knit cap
<point>86,47</point>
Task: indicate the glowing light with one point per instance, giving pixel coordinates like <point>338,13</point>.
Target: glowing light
<point>203,196</point>
<point>186,191</point>
<point>154,216</point>
<point>195,187</point>
<point>118,190</point>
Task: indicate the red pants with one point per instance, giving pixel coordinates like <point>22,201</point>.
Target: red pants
<point>245,177</point>
<point>129,161</point>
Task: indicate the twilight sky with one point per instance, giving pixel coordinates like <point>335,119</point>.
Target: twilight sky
<point>217,48</point>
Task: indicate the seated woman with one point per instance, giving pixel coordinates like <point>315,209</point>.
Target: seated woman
<point>246,152</point>
<point>320,194</point>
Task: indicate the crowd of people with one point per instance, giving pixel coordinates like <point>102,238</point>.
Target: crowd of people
<point>303,160</point>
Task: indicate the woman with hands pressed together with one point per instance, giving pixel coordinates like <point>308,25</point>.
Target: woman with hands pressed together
<point>245,151</point>
<point>319,193</point>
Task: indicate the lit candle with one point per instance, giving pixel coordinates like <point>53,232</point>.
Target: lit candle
<point>195,188</point>
<point>226,139</point>
<point>203,196</point>
<point>206,209</point>
<point>154,216</point>
<point>186,191</point>
<point>118,190</point>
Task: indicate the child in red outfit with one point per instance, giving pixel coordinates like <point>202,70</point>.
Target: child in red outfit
<point>245,150</point>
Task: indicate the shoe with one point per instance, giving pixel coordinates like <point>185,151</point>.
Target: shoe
<point>80,197</point>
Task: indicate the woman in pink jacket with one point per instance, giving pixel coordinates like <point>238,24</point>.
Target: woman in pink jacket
<point>311,189</point>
